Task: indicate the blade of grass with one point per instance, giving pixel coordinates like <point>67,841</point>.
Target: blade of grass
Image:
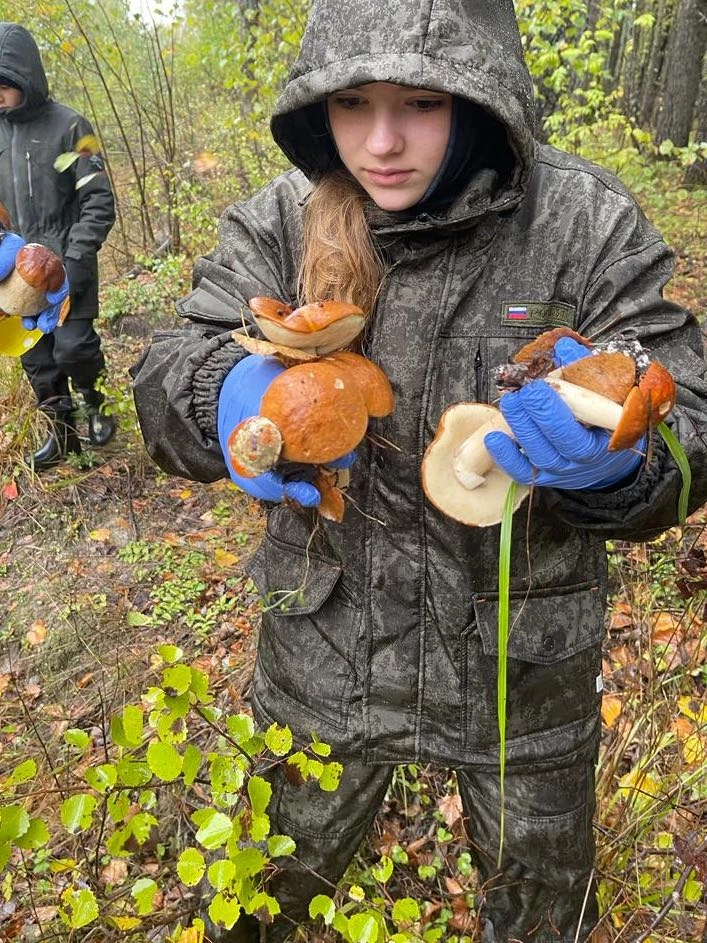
<point>504,571</point>
<point>680,458</point>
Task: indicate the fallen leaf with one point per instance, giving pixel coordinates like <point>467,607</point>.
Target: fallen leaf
<point>665,628</point>
<point>9,490</point>
<point>451,808</point>
<point>37,632</point>
<point>611,709</point>
<point>115,872</point>
<point>224,558</point>
<point>101,534</point>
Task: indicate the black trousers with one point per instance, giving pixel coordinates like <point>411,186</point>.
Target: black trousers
<point>544,891</point>
<point>72,353</point>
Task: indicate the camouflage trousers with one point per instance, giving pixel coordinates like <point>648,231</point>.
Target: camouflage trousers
<point>542,894</point>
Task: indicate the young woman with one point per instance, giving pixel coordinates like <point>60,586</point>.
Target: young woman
<point>422,195</point>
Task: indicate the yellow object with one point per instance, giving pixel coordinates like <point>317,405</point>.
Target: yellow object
<point>14,339</point>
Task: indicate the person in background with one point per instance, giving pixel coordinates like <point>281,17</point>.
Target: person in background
<point>46,206</point>
<point>421,194</point>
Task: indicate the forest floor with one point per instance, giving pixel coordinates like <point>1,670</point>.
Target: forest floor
<point>99,565</point>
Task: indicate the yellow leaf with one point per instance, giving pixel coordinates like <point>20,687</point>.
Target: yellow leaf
<point>67,46</point>
<point>691,707</point>
<point>224,557</point>
<point>193,934</point>
<point>610,709</point>
<point>694,751</point>
<point>37,632</point>
<point>183,495</point>
<point>126,923</point>
<point>638,784</point>
<point>88,144</point>
<point>101,534</point>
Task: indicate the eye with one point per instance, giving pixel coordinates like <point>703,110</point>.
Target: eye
<point>428,104</point>
<point>348,101</point>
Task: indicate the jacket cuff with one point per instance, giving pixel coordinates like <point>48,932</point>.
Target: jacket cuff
<point>216,361</point>
<point>611,505</point>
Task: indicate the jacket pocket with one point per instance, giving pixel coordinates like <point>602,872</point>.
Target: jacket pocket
<point>310,628</point>
<point>553,669</point>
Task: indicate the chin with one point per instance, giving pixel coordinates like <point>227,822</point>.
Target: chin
<point>393,203</point>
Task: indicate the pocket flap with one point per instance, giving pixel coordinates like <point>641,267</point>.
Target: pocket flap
<point>292,577</point>
<point>545,627</point>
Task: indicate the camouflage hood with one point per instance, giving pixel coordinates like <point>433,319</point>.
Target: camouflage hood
<point>21,63</point>
<point>469,48</point>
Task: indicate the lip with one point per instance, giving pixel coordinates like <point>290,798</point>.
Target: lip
<point>388,178</point>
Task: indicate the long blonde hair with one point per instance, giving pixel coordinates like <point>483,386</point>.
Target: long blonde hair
<point>339,259</point>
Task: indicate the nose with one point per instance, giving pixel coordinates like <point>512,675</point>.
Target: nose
<point>385,135</point>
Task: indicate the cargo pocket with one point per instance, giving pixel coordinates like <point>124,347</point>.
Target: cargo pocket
<point>310,627</point>
<point>554,668</point>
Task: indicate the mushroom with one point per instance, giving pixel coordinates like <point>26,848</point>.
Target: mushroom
<point>458,474</point>
<point>319,327</point>
<point>37,270</point>
<point>312,413</point>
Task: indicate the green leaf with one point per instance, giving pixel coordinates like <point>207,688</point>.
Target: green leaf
<point>382,871</point>
<point>322,906</point>
<point>321,749</point>
<point>363,928</point>
<point>133,772</point>
<point>693,891</point>
<point>76,738</point>
<point>137,619</point>
<point>666,148</point>
<point>331,777</point>
<point>645,21</point>
<point>36,836</point>
<point>259,792</point>
<point>259,826</point>
<point>177,679</point>
<point>22,773</point>
<point>164,761</point>
<point>240,727</point>
<point>406,910</point>
<point>101,778</point>
<point>170,653</point>
<point>133,724</point>
<point>77,812</point>
<point>199,685</point>
<point>264,906</point>
<point>144,891</point>
<point>680,458</point>
<point>278,739</point>
<point>5,852</point>
<point>191,866</point>
<point>280,845</point>
<point>81,905</point>
<point>191,764</point>
<point>62,163</point>
<point>224,911</point>
<point>215,829</point>
<point>221,873</point>
<point>249,862</point>
<point>141,826</point>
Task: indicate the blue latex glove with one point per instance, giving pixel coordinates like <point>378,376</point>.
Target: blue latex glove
<point>46,320</point>
<point>551,447</point>
<point>239,399</point>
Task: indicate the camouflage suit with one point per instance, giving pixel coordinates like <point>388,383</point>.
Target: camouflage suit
<point>389,652</point>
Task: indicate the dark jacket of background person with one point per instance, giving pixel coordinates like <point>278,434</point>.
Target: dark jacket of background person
<point>45,205</point>
<point>386,644</point>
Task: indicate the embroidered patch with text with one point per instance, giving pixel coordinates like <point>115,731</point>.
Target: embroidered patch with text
<point>540,313</point>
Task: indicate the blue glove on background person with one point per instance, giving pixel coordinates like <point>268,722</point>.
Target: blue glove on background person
<point>46,320</point>
<point>551,447</point>
<point>239,399</point>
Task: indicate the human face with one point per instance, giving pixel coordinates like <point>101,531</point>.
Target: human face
<point>10,97</point>
<point>391,138</point>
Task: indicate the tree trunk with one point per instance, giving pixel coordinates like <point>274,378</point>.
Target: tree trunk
<point>683,71</point>
<point>651,81</point>
<point>593,13</point>
<point>697,173</point>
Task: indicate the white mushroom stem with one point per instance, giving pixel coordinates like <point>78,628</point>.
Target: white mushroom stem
<point>472,462</point>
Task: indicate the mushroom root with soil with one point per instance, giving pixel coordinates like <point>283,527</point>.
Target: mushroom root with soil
<point>614,388</point>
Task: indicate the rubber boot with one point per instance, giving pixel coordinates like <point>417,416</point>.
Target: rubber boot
<point>101,427</point>
<point>62,437</point>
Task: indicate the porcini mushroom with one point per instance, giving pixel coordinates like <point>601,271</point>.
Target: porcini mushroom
<point>319,327</point>
<point>37,270</point>
<point>457,464</point>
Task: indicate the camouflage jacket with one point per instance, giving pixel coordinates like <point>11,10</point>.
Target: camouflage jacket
<point>388,645</point>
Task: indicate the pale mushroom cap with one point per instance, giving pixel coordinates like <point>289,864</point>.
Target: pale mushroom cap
<point>332,337</point>
<point>482,506</point>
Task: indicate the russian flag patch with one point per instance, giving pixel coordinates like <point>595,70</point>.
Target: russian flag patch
<point>517,312</point>
<point>544,314</point>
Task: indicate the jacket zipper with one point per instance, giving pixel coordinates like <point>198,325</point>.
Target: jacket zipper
<point>29,173</point>
<point>478,375</point>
